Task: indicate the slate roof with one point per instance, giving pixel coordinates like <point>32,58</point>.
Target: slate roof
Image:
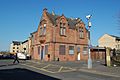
<point>118,38</point>
<point>33,32</point>
<point>16,42</point>
<point>24,41</point>
<point>71,22</point>
<point>52,17</point>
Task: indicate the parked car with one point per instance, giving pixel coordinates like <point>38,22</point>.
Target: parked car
<point>1,56</point>
<point>7,56</point>
<point>21,56</point>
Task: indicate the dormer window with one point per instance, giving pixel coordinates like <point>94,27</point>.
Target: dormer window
<point>81,32</point>
<point>43,29</point>
<point>62,29</point>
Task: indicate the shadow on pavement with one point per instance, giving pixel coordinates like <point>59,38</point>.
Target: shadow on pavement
<point>23,74</point>
<point>7,65</point>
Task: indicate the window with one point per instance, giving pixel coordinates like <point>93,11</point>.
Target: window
<point>40,30</point>
<point>13,47</point>
<point>44,25</point>
<point>85,50</point>
<point>62,49</point>
<point>62,29</point>
<point>43,30</point>
<point>71,49</point>
<point>78,49</point>
<point>46,49</point>
<point>33,39</point>
<point>81,32</point>
<point>17,47</point>
<point>13,51</point>
<point>118,46</point>
<point>38,49</point>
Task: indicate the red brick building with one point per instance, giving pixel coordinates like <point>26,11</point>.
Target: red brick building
<point>59,38</point>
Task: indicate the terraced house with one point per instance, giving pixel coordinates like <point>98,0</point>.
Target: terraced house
<point>59,38</point>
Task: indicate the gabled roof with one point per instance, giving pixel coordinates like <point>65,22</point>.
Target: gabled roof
<point>71,22</point>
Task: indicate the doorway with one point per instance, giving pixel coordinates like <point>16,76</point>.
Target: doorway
<point>78,56</point>
<point>42,53</point>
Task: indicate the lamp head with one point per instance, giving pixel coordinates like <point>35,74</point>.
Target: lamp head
<point>88,17</point>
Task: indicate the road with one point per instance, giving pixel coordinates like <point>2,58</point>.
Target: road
<point>29,70</point>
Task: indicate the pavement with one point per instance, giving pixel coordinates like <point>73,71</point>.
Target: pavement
<point>98,67</point>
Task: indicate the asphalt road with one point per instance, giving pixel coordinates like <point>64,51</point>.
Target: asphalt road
<point>27,70</point>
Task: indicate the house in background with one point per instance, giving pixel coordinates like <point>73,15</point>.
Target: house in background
<point>15,47</point>
<point>25,46</point>
<point>59,38</point>
<point>109,41</point>
<point>19,46</point>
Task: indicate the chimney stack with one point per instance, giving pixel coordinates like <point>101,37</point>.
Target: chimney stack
<point>45,10</point>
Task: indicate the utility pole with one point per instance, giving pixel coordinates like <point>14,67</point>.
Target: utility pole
<point>89,42</point>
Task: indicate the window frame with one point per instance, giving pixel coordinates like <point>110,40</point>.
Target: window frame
<point>46,49</point>
<point>43,29</point>
<point>71,50</point>
<point>62,29</point>
<point>81,32</point>
<point>85,50</point>
<point>62,49</point>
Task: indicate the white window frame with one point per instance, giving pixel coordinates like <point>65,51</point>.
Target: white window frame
<point>85,51</point>
<point>71,52</point>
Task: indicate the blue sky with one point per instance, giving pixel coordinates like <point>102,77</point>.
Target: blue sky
<point>19,18</point>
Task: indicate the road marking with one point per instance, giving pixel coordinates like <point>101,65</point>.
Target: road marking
<point>31,66</point>
<point>38,68</point>
<point>60,69</point>
<point>47,70</point>
<point>46,66</point>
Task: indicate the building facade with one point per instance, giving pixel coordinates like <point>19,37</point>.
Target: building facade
<point>25,46</point>
<point>19,46</point>
<point>15,47</point>
<point>59,38</point>
<point>109,41</point>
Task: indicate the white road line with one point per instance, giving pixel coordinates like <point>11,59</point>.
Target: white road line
<point>60,69</point>
<point>46,66</point>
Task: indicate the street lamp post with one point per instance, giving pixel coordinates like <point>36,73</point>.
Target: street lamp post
<point>89,43</point>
